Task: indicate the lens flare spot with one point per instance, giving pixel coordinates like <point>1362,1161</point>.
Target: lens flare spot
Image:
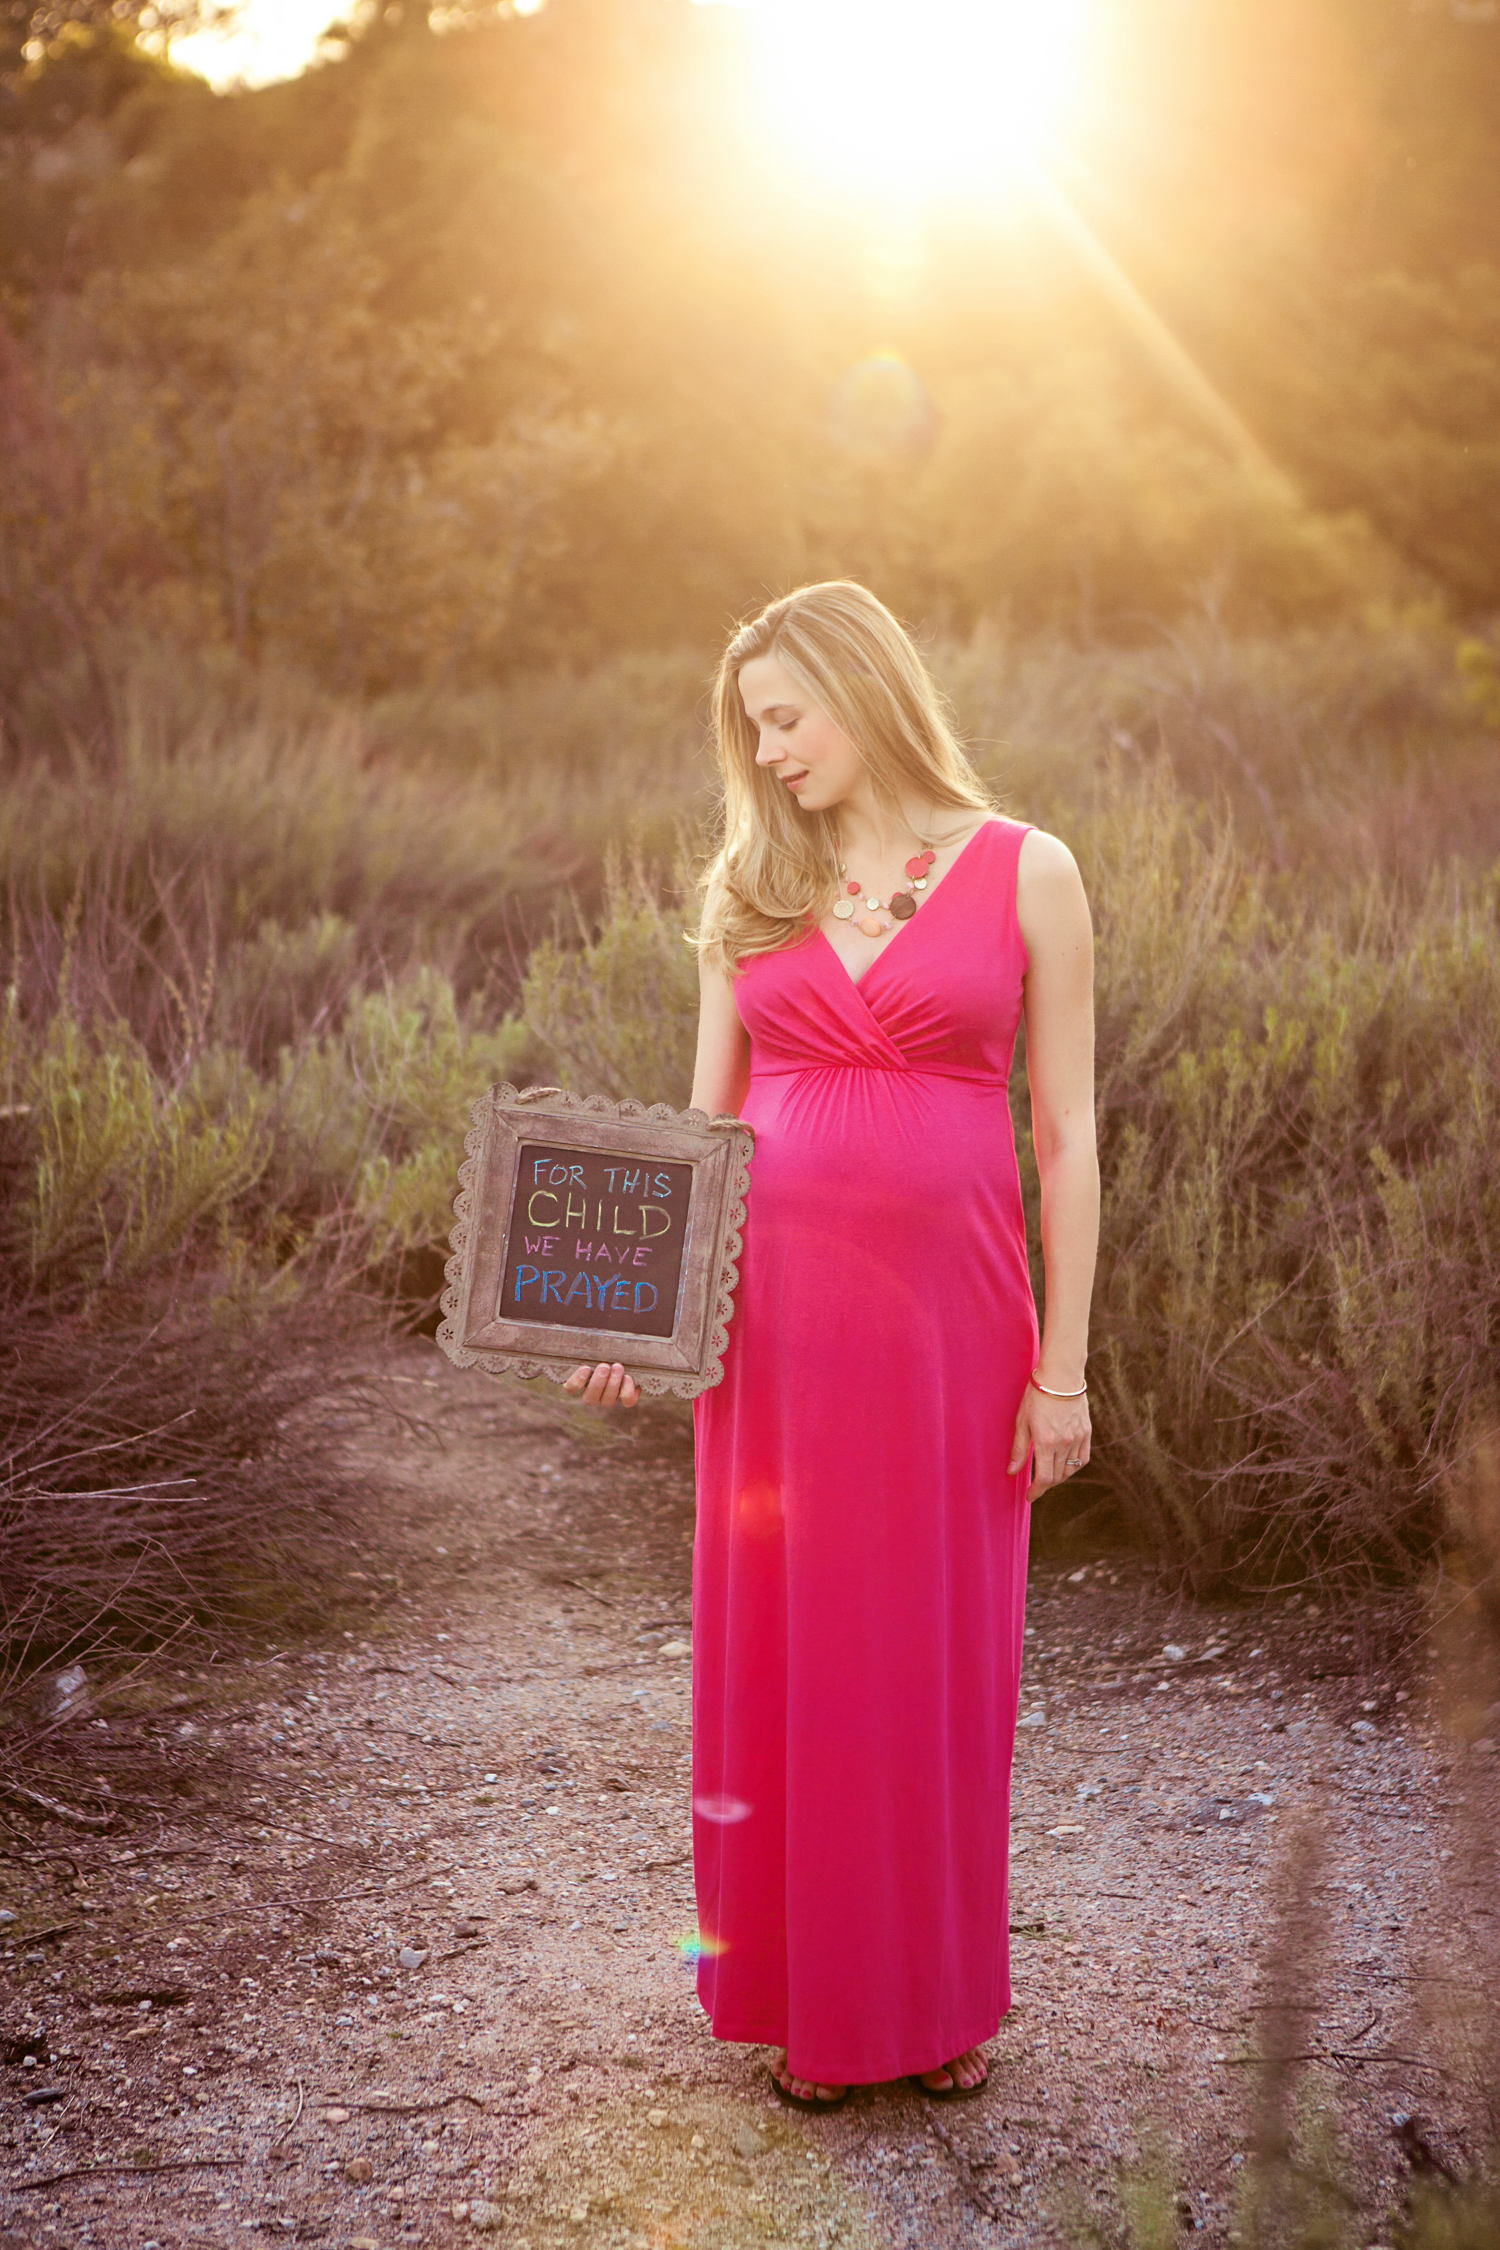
<point>880,408</point>
<point>697,1945</point>
<point>757,1511</point>
<point>723,1811</point>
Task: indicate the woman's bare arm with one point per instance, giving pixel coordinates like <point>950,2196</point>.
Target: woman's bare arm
<point>721,1074</point>
<point>1054,918</point>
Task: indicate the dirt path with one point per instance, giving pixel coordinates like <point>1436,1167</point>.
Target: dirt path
<point>486,1766</point>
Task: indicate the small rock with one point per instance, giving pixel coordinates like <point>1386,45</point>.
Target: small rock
<point>1364,1728</point>
<point>1077,1577</point>
<point>334,2116</point>
<point>698,2141</point>
<point>656,2117</point>
<point>359,2171</point>
<point>363,2242</point>
<point>675,1648</point>
<point>579,2214</point>
<point>1033,1719</point>
<point>65,1695</point>
<point>412,1956</point>
<point>327,1960</point>
<point>40,2095</point>
<point>748,2143</point>
<point>467,1930</point>
<point>6,1915</point>
<point>487,2217</point>
<point>1485,1745</point>
<point>1174,1654</point>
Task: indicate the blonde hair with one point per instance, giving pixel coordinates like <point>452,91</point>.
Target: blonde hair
<point>777,869</point>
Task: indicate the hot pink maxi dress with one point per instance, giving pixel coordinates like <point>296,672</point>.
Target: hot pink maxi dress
<point>859,1570</point>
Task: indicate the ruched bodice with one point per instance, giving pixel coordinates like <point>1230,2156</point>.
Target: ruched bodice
<point>953,1016</point>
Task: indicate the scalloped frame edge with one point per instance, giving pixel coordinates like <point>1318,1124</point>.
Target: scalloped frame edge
<point>555,1101</point>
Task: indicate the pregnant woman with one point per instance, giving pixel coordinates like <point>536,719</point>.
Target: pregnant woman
<point>873,937</point>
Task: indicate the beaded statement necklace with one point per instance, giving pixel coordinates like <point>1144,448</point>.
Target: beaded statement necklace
<point>884,913</point>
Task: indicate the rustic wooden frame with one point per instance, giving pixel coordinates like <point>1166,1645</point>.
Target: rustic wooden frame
<point>719,1149</point>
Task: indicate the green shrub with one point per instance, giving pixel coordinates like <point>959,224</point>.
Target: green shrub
<point>618,1013</point>
<point>129,1172</point>
<point>1299,1297</point>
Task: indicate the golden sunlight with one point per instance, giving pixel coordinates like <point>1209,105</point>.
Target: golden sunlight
<point>917,99</point>
<point>259,42</point>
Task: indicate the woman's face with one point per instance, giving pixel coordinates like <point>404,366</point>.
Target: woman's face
<point>812,760</point>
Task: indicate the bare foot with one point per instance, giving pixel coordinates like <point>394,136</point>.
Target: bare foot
<point>967,2069</point>
<point>807,2090</point>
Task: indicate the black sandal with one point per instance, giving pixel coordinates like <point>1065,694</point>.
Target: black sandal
<point>795,2101</point>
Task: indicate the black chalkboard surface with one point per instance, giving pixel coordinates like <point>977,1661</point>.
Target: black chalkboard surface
<point>590,1229</point>
<point>596,1240</point>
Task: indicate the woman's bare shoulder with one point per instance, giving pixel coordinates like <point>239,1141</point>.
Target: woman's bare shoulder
<point>1050,898</point>
<point>1046,862</point>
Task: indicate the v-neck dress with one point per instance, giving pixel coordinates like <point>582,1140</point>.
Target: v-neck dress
<point>859,1568</point>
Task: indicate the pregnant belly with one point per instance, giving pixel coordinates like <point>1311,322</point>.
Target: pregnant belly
<point>890,1185</point>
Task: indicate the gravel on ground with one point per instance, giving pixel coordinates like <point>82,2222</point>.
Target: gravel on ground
<point>410,1958</point>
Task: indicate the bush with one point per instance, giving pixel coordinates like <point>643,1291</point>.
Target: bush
<point>618,1013</point>
<point>170,1466</point>
<point>1298,1307</point>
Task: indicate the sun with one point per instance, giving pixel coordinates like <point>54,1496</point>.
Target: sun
<point>915,98</point>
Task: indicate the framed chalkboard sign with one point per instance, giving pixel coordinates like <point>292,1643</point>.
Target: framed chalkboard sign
<point>590,1230</point>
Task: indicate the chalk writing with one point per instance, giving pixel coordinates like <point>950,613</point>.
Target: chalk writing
<point>595,1243</point>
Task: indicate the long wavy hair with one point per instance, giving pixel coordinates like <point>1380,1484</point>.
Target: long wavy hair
<point>776,872</point>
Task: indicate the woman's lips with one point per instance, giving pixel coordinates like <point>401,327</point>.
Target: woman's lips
<point>794,780</point>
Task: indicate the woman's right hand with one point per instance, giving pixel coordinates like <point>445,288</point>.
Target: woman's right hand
<point>604,1385</point>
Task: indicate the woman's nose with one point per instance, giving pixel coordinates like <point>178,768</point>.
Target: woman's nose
<point>771,752</point>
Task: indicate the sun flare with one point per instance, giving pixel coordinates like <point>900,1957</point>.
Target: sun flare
<point>916,97</point>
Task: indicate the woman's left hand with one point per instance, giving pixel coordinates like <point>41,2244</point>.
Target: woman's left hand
<point>1056,1433</point>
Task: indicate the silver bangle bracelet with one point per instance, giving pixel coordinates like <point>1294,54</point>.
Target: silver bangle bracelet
<point>1036,1386</point>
